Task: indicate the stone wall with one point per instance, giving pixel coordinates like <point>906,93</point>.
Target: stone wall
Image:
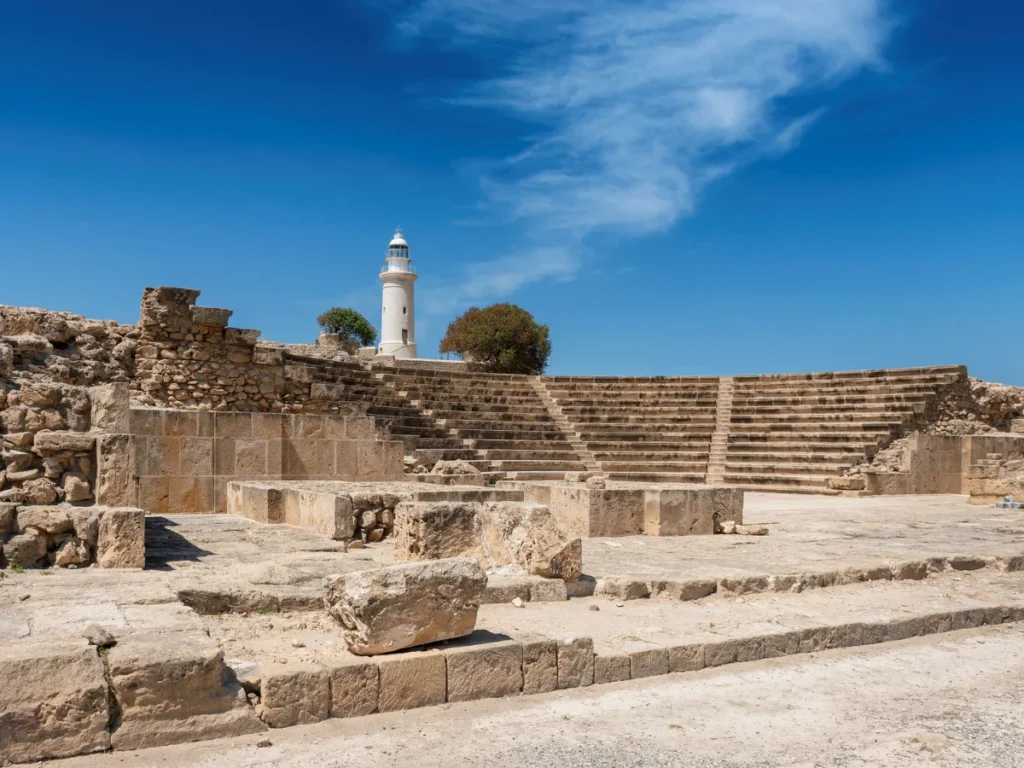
<point>183,460</point>
<point>997,477</point>
<point>938,463</point>
<point>71,537</point>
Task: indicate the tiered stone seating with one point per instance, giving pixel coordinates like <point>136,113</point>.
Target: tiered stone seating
<point>502,418</point>
<point>643,429</point>
<point>350,383</point>
<point>793,432</point>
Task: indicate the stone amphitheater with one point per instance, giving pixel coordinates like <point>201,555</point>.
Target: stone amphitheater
<point>199,527</point>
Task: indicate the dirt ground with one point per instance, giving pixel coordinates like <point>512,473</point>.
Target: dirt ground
<point>944,700</point>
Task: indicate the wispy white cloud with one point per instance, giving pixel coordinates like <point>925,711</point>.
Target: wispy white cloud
<point>639,104</point>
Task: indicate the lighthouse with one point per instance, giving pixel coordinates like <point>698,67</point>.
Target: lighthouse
<point>398,324</point>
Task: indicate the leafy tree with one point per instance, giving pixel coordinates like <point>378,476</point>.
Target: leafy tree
<point>502,338</point>
<point>348,324</point>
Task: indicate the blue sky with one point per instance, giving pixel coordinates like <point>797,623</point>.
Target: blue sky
<point>675,187</point>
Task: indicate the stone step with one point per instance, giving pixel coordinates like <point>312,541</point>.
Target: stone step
<point>785,467</point>
<point>513,434</point>
<point>746,415</point>
<point>657,477</point>
<point>656,467</point>
<point>511,454</point>
<point>685,456</point>
<point>740,477</point>
<point>812,428</point>
<point>519,465</point>
<point>535,475</point>
<point>642,418</point>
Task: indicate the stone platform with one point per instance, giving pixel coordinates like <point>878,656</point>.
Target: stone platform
<point>625,508</point>
<point>224,631</point>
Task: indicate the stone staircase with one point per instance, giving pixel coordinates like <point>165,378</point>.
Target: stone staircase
<point>344,382</point>
<point>641,429</point>
<point>501,418</point>
<point>581,449</point>
<point>720,438</point>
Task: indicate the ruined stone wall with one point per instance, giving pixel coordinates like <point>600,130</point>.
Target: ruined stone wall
<point>183,460</point>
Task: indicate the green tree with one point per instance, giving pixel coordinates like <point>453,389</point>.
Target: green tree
<point>502,338</point>
<point>348,324</point>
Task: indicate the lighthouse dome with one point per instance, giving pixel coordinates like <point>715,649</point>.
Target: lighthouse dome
<point>398,241</point>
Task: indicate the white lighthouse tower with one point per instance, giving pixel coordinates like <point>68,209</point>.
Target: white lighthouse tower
<point>398,324</point>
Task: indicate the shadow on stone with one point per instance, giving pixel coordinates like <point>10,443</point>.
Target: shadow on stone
<point>165,545</point>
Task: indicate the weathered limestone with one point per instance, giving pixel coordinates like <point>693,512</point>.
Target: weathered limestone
<point>575,662</point>
<point>696,510</point>
<point>403,606</point>
<point>65,535</point>
<point>53,701</point>
<point>170,688</point>
<point>412,679</point>
<point>590,512</point>
<point>355,689</point>
<point>122,539</point>
<point>540,665</point>
<point>184,460</point>
<point>504,537</point>
<point>294,694</point>
<point>481,668</point>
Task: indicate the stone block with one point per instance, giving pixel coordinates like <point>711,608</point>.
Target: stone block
<point>540,665</point>
<point>507,537</point>
<point>589,513</point>
<point>686,658</point>
<point>211,316</point>
<point>610,667</point>
<point>402,606</point>
<point>54,701</point>
<point>110,408</point>
<point>575,662</point>
<point>250,457</point>
<point>646,660</point>
<point>270,425</point>
<point>412,679</point>
<point>328,514</point>
<point>294,694</point>
<point>49,519</point>
<point>48,441</point>
<point>435,530</point>
<point>25,549</point>
<point>262,504</point>
<point>146,421</point>
<point>690,511</point>
<point>171,688</point>
<point>354,688</point>
<point>232,424</point>
<point>197,457</point>
<point>181,423</point>
<point>153,494</point>
<point>162,455</point>
<point>503,589</point>
<point>482,668</point>
<point>122,538</point>
<point>547,591</point>
<point>115,471</point>
<point>224,456</point>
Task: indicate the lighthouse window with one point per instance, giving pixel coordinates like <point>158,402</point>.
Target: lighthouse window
<point>403,310</point>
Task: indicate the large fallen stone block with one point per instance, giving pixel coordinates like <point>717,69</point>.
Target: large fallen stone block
<point>402,606</point>
<point>53,701</point>
<point>173,687</point>
<point>506,538</point>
